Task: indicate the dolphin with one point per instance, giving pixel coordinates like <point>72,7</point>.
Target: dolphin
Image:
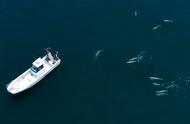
<point>161,91</point>
<point>131,62</point>
<point>156,27</point>
<point>133,59</point>
<point>155,78</point>
<point>168,21</point>
<point>136,13</point>
<point>97,54</point>
<point>156,84</point>
<point>161,94</point>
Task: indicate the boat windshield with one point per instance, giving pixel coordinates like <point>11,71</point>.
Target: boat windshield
<point>36,69</point>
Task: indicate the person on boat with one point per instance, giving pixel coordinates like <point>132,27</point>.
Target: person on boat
<point>49,54</point>
<point>56,55</point>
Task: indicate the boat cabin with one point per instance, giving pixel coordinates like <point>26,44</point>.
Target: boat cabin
<point>37,65</point>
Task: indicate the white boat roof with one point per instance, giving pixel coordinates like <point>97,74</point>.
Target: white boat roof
<point>38,62</point>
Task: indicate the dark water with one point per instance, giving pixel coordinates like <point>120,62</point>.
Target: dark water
<point>88,91</point>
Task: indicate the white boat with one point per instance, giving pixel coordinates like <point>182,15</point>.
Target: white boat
<point>40,68</point>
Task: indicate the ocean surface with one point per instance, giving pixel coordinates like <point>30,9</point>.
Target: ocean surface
<point>91,87</point>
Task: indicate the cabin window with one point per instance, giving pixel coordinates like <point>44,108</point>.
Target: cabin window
<point>35,69</point>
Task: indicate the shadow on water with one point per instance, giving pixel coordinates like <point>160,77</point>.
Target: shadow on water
<point>21,96</point>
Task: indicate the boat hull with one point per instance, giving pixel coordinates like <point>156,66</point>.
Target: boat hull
<point>27,79</point>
